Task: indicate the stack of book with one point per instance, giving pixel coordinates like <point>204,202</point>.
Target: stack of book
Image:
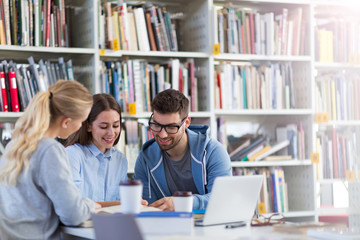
<point>20,82</point>
<point>140,27</point>
<point>255,148</point>
<point>247,31</point>
<point>137,82</point>
<point>266,86</point>
<point>35,23</point>
<point>274,192</point>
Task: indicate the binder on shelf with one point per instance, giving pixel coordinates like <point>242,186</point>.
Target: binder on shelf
<point>7,84</point>
<point>4,99</point>
<point>13,91</point>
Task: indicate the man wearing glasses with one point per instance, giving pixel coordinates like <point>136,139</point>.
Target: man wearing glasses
<point>180,157</point>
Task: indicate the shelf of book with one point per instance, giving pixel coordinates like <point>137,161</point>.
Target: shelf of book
<point>284,192</point>
<point>271,163</point>
<point>336,70</point>
<point>271,44</point>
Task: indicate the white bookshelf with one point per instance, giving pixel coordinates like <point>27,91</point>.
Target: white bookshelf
<point>299,174</point>
<point>344,10</point>
<point>197,38</point>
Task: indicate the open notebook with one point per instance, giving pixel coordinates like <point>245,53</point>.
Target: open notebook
<point>232,199</point>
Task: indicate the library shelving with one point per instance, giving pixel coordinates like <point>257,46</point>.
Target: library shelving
<point>260,61</point>
<point>201,40</point>
<point>21,41</point>
<point>336,68</point>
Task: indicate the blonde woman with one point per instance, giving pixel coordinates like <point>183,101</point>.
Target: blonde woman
<point>36,187</point>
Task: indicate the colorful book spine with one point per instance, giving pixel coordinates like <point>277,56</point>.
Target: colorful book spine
<point>13,92</point>
<point>3,92</point>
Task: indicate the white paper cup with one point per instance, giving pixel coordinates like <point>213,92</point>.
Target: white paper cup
<point>130,196</point>
<point>183,201</point>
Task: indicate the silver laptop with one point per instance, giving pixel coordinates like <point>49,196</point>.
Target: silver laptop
<point>232,200</point>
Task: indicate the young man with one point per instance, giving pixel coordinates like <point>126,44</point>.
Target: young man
<point>179,157</point>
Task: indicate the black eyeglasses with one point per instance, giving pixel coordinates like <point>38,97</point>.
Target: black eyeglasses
<point>170,128</point>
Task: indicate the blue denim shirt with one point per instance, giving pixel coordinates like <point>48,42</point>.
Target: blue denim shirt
<point>97,175</point>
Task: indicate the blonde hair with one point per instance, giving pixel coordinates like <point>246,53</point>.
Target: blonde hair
<point>64,98</point>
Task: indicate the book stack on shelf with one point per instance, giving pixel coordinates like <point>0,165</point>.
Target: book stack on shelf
<point>138,81</point>
<point>336,35</point>
<point>144,27</point>
<point>251,31</point>
<point>288,145</point>
<point>20,82</point>
<point>265,86</point>
<point>338,152</point>
<point>337,94</point>
<point>35,23</point>
<point>274,193</point>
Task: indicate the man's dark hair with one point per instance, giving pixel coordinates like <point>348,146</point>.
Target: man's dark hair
<point>102,102</point>
<point>171,101</point>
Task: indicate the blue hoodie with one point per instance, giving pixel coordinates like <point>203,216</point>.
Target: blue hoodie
<point>209,160</point>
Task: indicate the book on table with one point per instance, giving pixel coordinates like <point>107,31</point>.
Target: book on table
<point>153,220</point>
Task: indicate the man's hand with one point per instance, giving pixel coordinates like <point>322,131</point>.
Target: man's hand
<point>166,204</point>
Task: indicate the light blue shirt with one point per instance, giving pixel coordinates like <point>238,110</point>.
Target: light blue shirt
<point>97,175</point>
<point>42,197</point>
